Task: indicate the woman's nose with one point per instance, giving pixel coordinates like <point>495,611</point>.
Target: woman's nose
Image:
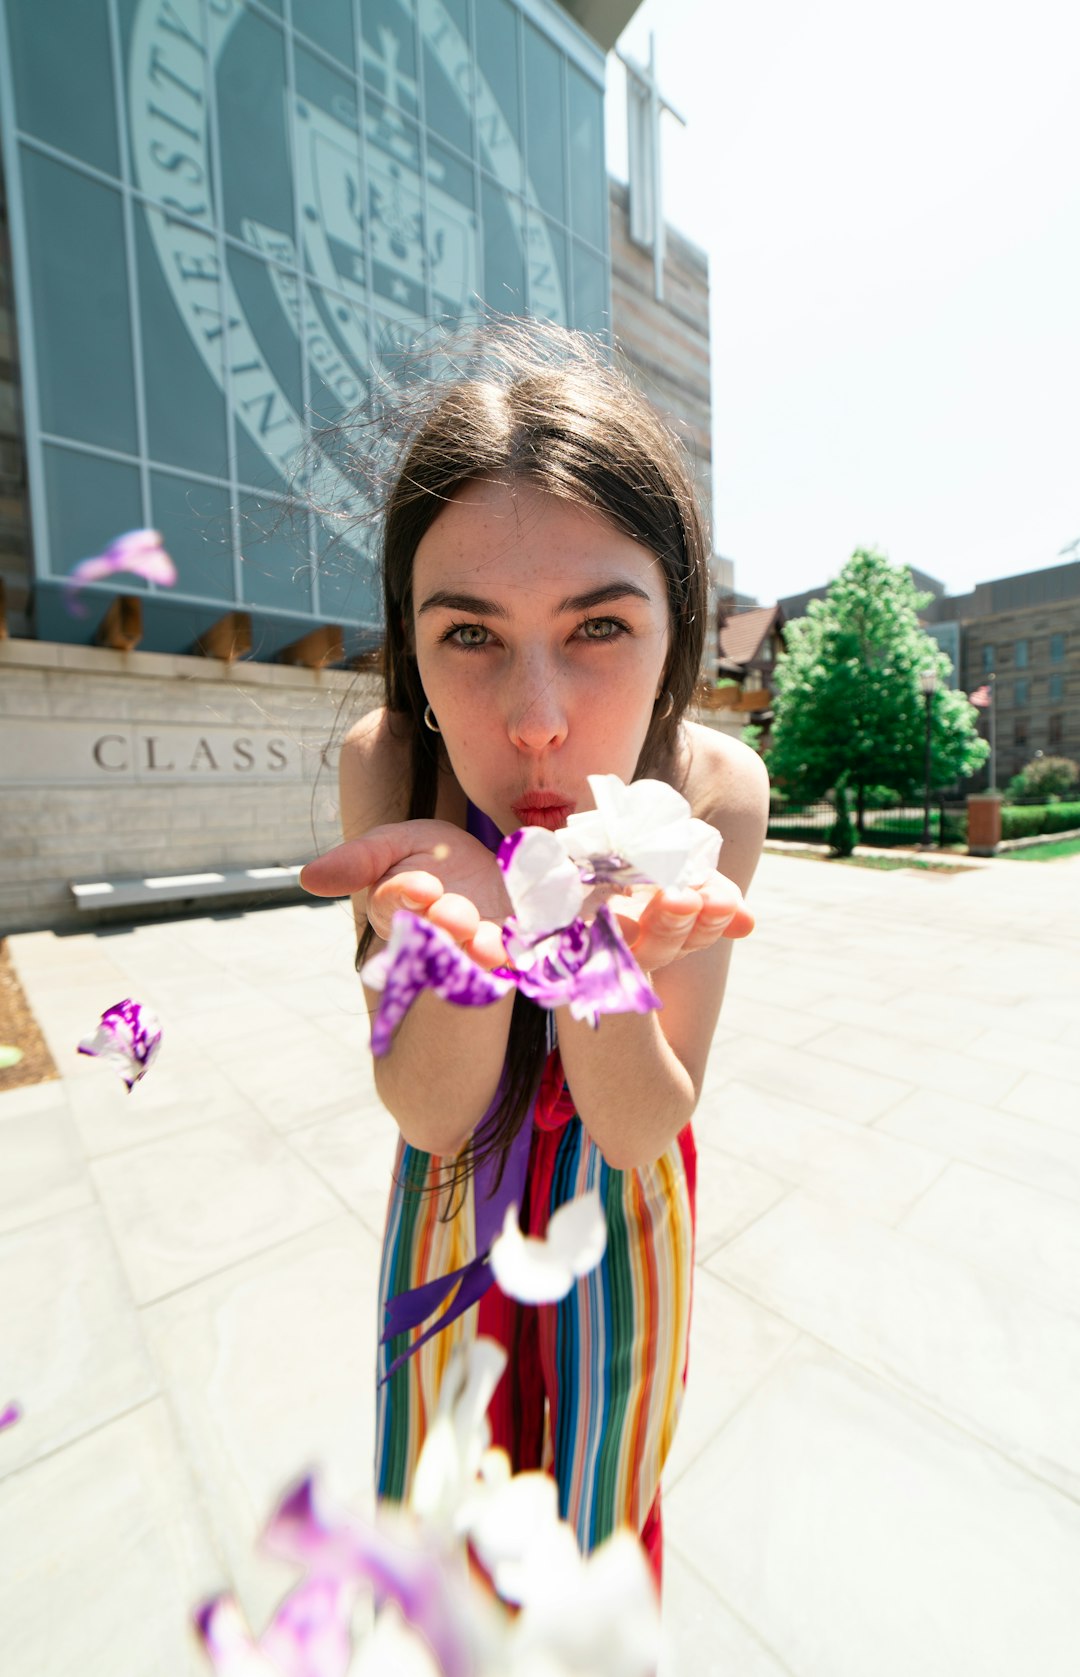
<point>537,717</point>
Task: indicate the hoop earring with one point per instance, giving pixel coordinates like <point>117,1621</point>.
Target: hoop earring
<point>429,720</point>
<point>669,705</point>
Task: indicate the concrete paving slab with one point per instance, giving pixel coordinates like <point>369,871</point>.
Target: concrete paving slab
<point>878,1467</point>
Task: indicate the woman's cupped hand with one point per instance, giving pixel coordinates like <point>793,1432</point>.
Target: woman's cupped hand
<point>431,867</point>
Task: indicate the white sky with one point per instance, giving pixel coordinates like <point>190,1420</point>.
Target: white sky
<point>889,196</point>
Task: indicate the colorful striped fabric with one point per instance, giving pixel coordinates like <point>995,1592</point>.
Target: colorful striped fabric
<point>594,1384</point>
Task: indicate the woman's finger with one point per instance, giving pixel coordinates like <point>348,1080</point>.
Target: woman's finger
<point>361,862</point>
<point>412,889</point>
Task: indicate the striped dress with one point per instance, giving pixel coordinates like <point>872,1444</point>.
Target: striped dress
<point>594,1384</point>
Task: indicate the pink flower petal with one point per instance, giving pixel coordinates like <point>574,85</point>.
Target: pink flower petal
<point>10,1415</point>
<point>139,552</point>
<point>590,969</point>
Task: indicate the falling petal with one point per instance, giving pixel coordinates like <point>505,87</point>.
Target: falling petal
<point>599,1615</point>
<point>458,1436</point>
<point>139,552</point>
<point>542,882</point>
<point>229,1643</point>
<point>387,1554</point>
<point>515,1530</point>
<point>587,968</point>
<point>418,957</point>
<point>10,1415</point>
<point>9,1055</point>
<point>543,1270</point>
<point>310,1635</point>
<point>129,1035</point>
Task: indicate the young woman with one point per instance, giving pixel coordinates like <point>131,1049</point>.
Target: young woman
<point>545,592</point>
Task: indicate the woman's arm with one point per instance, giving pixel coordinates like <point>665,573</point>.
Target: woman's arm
<point>637,1078</point>
<point>444,1068</point>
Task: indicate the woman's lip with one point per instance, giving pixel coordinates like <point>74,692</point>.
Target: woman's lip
<point>543,809</point>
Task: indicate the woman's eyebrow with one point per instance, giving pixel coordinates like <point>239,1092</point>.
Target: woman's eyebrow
<point>449,599</point>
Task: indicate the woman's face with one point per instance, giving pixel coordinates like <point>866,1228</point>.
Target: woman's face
<point>541,634</point>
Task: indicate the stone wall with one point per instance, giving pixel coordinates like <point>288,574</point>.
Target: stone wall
<point>120,764</point>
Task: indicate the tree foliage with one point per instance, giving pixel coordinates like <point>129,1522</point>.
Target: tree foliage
<point>848,709</point>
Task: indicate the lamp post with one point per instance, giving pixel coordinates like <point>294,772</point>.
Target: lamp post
<point>928,681</point>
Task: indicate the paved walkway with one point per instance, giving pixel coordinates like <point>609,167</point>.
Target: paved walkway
<point>878,1471</point>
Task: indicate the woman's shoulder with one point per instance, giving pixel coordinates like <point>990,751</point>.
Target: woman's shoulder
<point>374,771</point>
<point>726,783</point>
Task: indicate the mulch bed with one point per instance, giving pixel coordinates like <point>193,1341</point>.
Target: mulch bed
<point>19,1029</point>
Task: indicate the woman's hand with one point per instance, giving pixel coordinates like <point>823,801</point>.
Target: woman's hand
<point>431,867</point>
<point>669,923</point>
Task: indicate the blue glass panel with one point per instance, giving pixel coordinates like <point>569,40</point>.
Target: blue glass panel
<point>329,23</point>
<point>453,254</point>
<point>497,60</point>
<point>389,48</point>
<point>182,340</point>
<point>267,395</point>
<point>82,332</point>
<point>591,307</point>
<point>194,520</point>
<point>89,501</point>
<point>544,122</point>
<point>349,589</point>
<point>62,71</point>
<point>329,177</point>
<point>336,340</point>
<point>448,79</point>
<point>256,166</point>
<point>275,569</point>
<point>588,175</point>
<point>548,290</point>
<point>504,250</point>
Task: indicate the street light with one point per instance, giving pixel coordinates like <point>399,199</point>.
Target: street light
<point>928,681</point>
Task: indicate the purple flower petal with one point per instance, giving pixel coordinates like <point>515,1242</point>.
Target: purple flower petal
<point>310,1634</point>
<point>390,1557</point>
<point>418,957</point>
<point>139,552</point>
<point>10,1415</point>
<point>590,969</point>
<point>129,1035</point>
<point>228,1641</point>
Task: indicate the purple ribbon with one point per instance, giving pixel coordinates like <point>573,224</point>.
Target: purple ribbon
<point>407,1310</point>
<point>490,1205</point>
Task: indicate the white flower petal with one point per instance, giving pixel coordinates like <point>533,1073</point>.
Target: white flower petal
<point>542,1271</point>
<point>602,1617</point>
<point>458,1436</point>
<point>541,881</point>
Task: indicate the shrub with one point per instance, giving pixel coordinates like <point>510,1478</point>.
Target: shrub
<point>842,832</point>
<point>1026,820</point>
<point>1045,778</point>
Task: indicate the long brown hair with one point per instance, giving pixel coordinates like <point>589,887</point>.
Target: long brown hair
<point>549,408</point>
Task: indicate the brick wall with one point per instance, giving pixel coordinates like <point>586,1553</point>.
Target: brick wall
<point>207,809</point>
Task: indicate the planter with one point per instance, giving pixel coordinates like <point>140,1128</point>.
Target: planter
<point>755,698</point>
<point>984,825</point>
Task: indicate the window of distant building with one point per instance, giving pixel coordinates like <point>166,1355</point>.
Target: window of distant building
<point>1020,692</point>
<point>1020,656</point>
<point>1057,687</point>
<point>1020,731</point>
<point>1057,649</point>
<point>1055,730</point>
<point>988,658</point>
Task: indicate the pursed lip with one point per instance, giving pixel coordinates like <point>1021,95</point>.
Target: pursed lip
<point>543,809</point>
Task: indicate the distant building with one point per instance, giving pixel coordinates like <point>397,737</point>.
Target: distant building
<point>1021,636</point>
<point>749,642</point>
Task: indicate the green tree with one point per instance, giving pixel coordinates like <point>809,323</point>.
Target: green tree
<point>849,713</point>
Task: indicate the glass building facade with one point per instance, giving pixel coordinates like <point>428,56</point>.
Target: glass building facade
<point>227,219</point>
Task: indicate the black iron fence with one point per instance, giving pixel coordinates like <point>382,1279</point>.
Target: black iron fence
<point>903,825</point>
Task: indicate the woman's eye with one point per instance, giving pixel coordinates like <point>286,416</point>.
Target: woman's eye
<point>601,628</point>
<point>469,634</point>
